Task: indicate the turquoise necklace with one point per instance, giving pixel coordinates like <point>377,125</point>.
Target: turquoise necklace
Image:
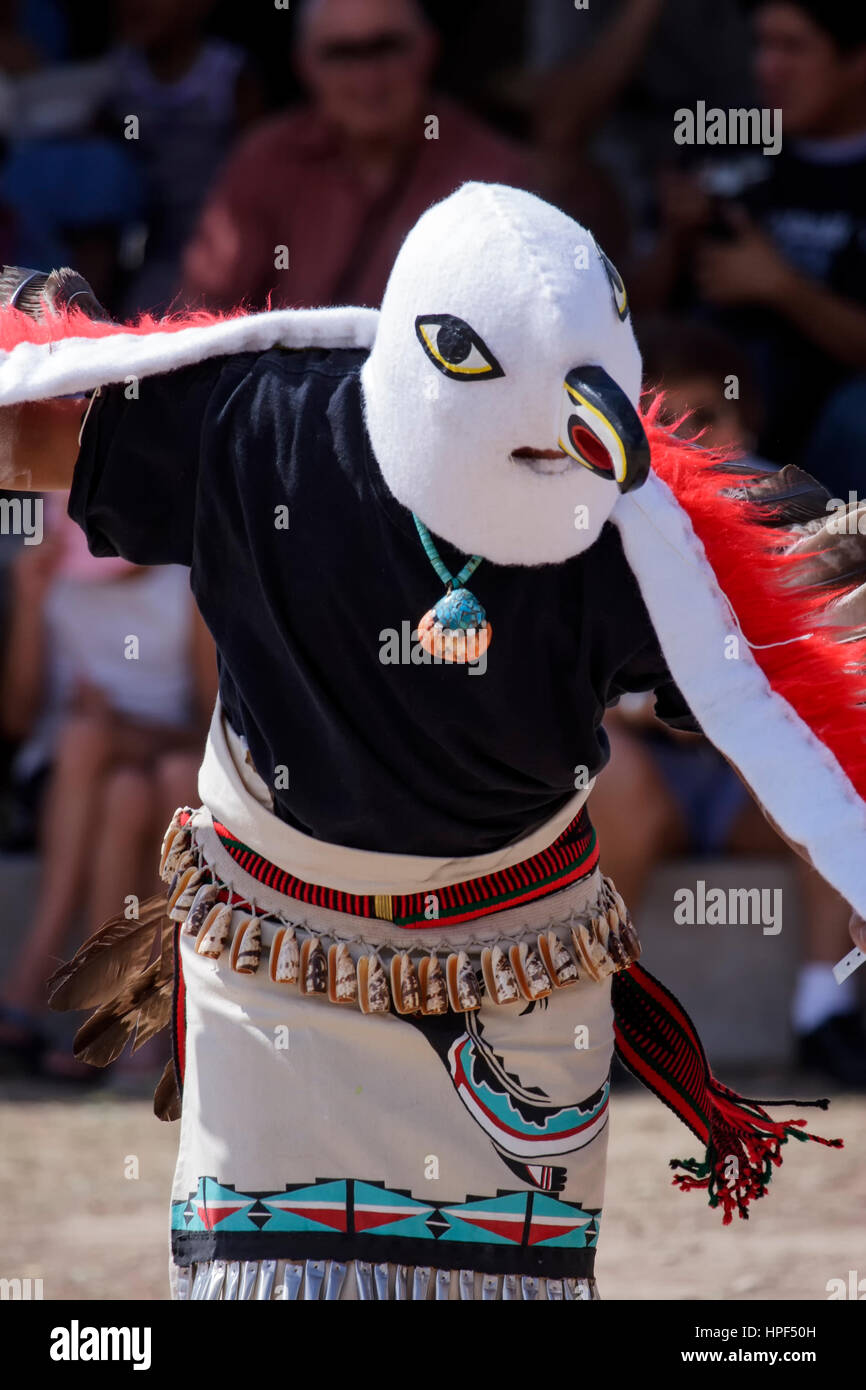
<point>455,628</point>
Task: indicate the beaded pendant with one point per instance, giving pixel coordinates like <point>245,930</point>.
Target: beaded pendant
<point>456,628</point>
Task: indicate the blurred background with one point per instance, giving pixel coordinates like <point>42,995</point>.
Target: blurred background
<point>205,153</point>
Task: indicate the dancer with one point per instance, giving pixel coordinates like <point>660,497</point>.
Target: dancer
<point>390,951</point>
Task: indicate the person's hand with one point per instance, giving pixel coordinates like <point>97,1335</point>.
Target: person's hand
<point>746,270</point>
<point>684,207</point>
<point>857,929</point>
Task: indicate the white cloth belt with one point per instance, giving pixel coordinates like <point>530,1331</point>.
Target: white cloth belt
<point>234,794</point>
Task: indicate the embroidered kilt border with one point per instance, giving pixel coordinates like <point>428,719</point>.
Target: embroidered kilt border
<point>471,1139</point>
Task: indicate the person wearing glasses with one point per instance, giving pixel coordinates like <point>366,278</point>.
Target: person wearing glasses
<point>313,205</point>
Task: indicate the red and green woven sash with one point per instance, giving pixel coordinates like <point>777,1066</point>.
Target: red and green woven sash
<point>572,856</point>
<point>657,1041</point>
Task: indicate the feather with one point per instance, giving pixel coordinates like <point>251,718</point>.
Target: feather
<point>154,1014</point>
<point>762,575</point>
<point>117,952</point>
<point>835,556</point>
<point>111,971</point>
<point>785,497</point>
<point>850,612</point>
<point>42,294</point>
<point>166,1101</point>
<point>102,1038</point>
<point>166,944</point>
<point>748,639</point>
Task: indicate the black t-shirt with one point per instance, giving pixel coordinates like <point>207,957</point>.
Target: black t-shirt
<point>815,214</point>
<point>393,756</point>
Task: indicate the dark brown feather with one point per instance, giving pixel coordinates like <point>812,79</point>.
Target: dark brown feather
<point>166,944</point>
<point>154,1014</point>
<point>166,1101</point>
<point>786,496</point>
<point>103,1037</point>
<point>105,1034</point>
<point>108,960</point>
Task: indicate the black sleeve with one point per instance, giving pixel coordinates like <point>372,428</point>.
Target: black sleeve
<point>671,709</point>
<point>135,481</point>
<point>646,671</point>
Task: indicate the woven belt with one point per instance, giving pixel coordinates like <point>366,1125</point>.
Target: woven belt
<point>572,855</point>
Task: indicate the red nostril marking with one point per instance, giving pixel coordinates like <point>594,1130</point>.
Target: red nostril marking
<point>591,448</point>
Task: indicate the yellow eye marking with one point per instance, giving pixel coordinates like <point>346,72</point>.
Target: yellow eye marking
<point>455,349</point>
<point>617,285</point>
<point>484,370</point>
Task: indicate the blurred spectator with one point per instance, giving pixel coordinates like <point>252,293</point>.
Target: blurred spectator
<point>190,95</point>
<point>79,184</point>
<point>32,32</point>
<point>481,51</point>
<point>69,193</point>
<point>690,799</point>
<point>70,201</point>
<point>610,77</point>
<point>784,264</point>
<point>339,183</point>
<point>111,745</point>
<point>705,375</point>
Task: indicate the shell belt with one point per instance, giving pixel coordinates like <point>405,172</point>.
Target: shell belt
<point>324,1280</point>
<point>510,972</point>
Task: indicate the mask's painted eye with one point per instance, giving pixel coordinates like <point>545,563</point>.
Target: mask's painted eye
<point>455,348</point>
<point>620,298</point>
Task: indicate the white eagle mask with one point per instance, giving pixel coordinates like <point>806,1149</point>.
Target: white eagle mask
<point>501,387</point>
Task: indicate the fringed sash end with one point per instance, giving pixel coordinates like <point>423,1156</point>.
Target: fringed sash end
<point>658,1042</point>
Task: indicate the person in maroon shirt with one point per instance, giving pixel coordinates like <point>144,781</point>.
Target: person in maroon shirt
<point>314,204</point>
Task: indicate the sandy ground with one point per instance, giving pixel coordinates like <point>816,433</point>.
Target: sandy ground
<point>84,1185</point>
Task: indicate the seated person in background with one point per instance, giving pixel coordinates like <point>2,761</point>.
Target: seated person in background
<point>609,76</point>
<point>69,188</point>
<point>690,799</point>
<point>787,271</point>
<point>339,183</point>
<point>109,677</point>
<point>192,94</point>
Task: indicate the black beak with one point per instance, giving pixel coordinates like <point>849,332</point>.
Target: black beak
<point>601,429</point>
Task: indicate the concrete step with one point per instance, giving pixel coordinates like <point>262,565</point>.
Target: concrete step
<point>19,880</point>
<point>735,980</point>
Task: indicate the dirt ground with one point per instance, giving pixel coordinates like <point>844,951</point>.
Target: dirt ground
<point>84,1186</point>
